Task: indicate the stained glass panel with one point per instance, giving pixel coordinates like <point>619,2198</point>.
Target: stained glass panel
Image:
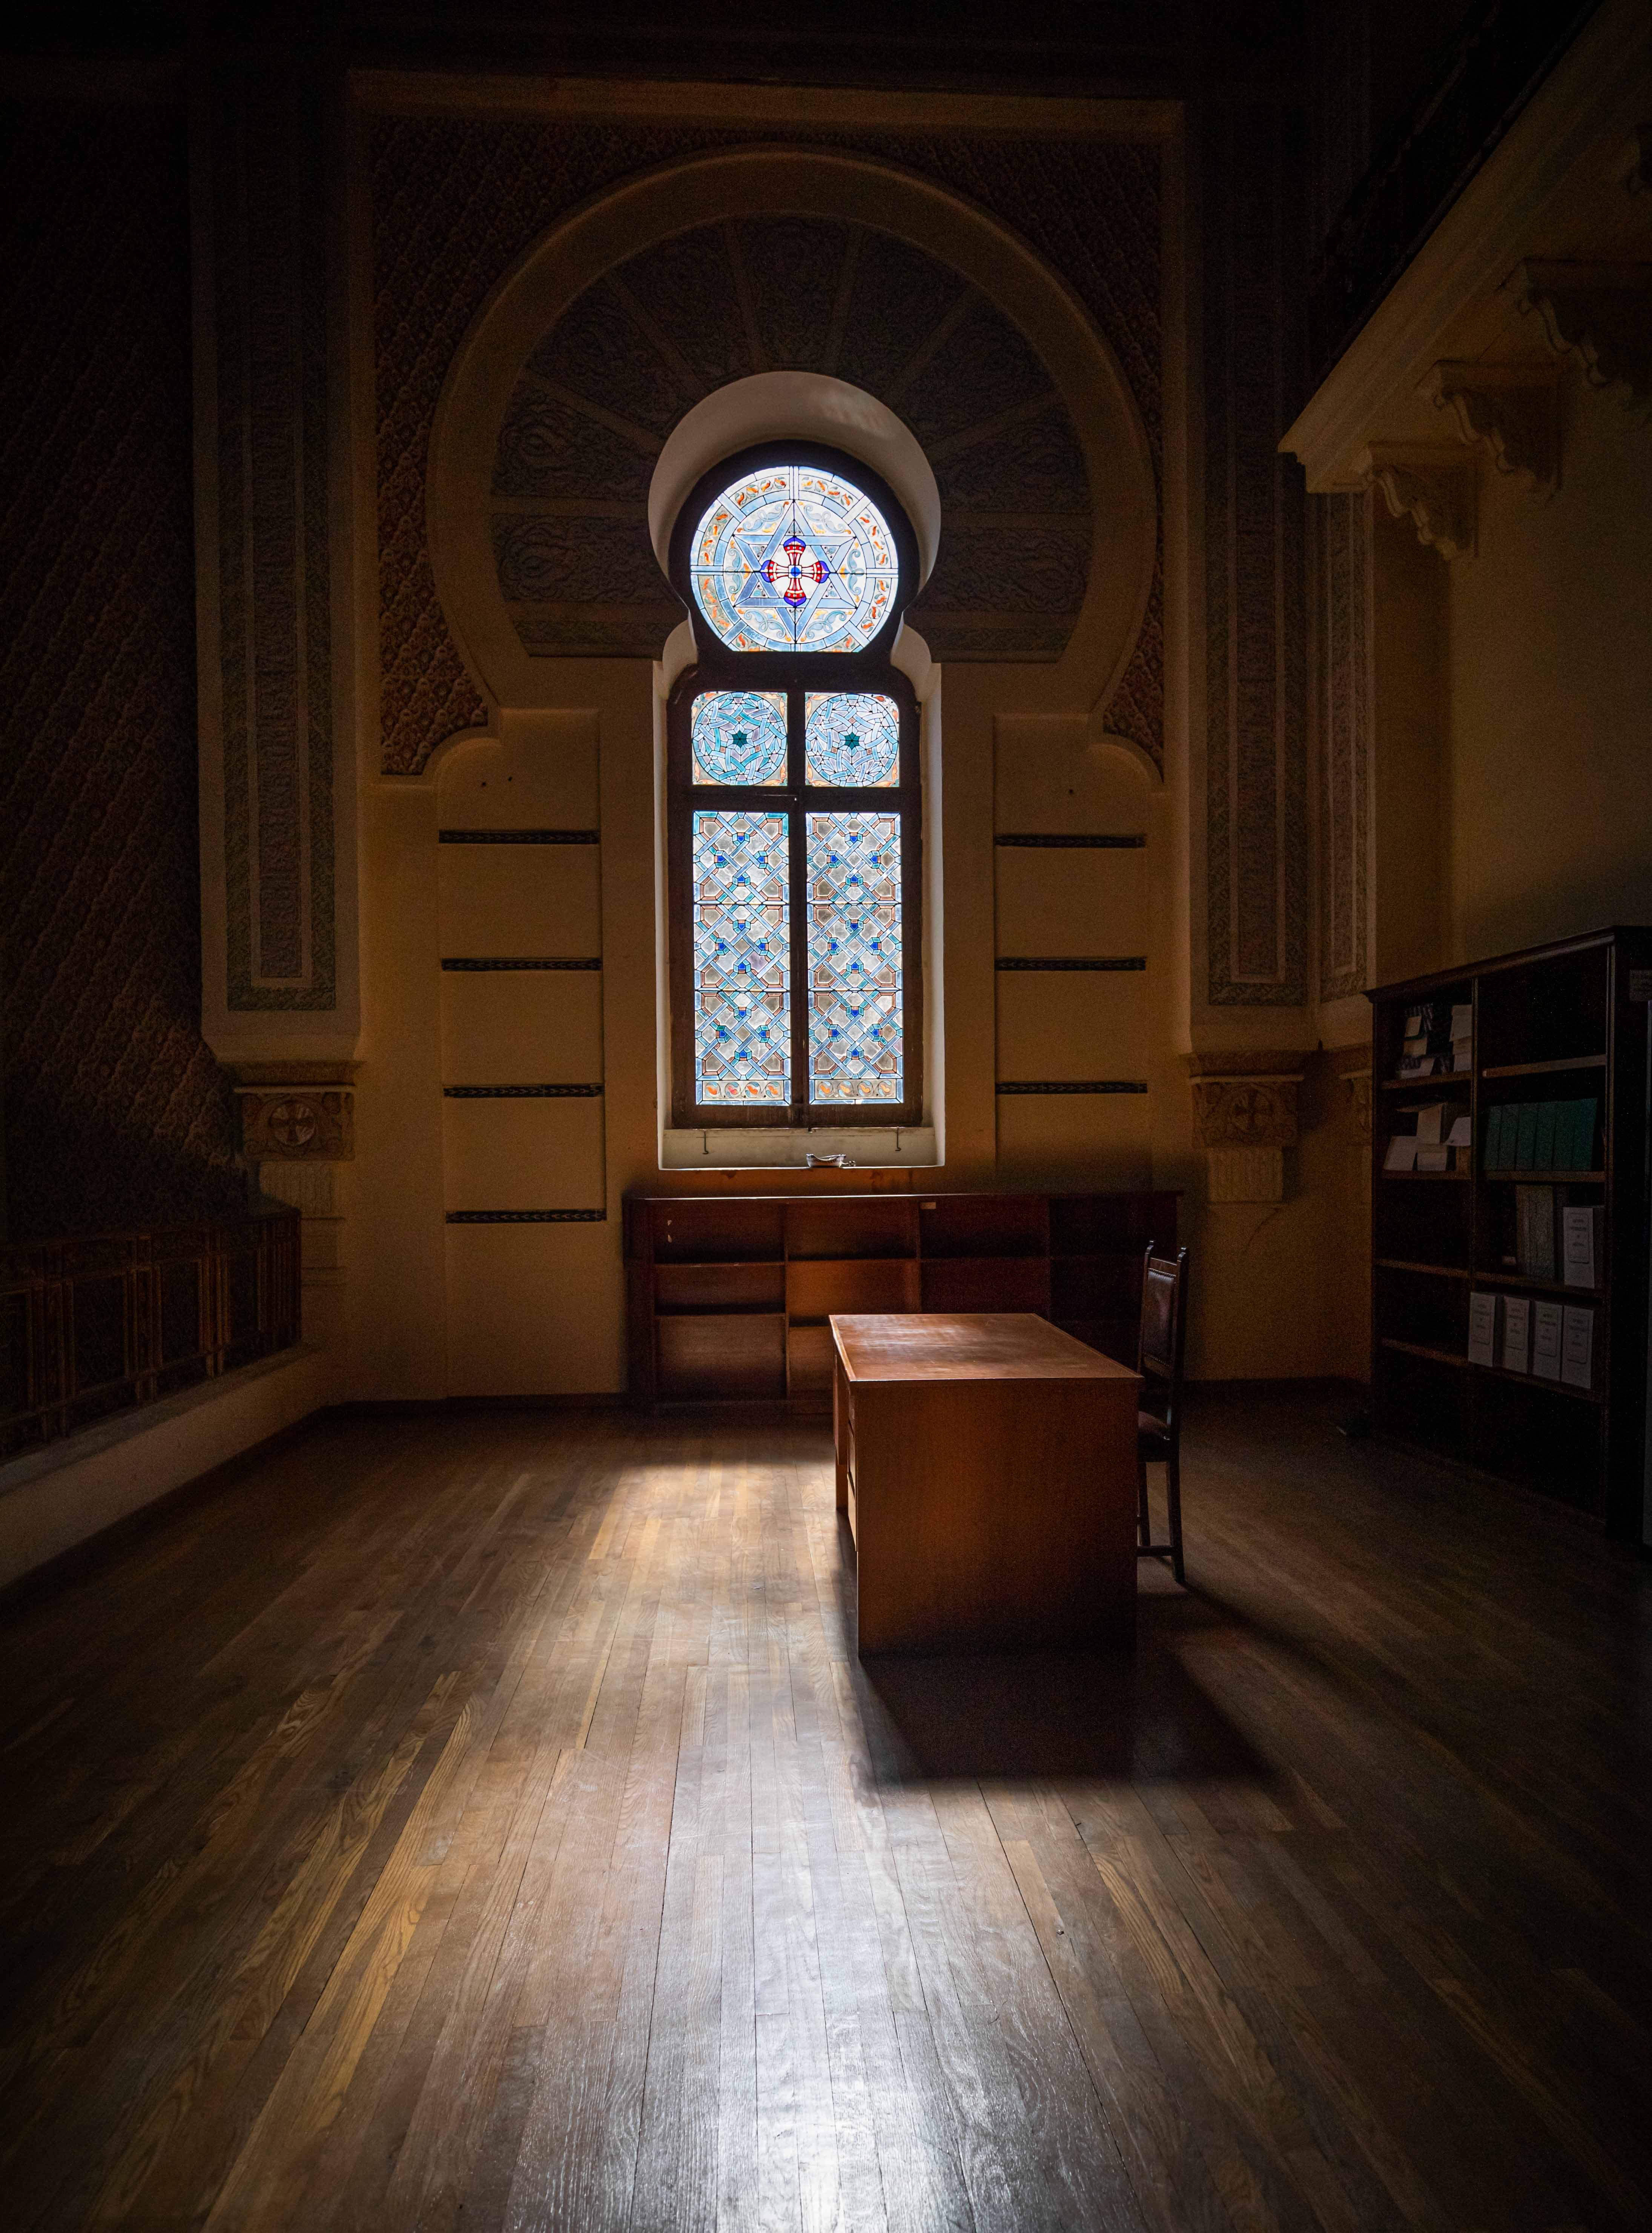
<point>740,736</point>
<point>855,1025</point>
<point>742,959</point>
<point>793,558</point>
<point>851,739</point>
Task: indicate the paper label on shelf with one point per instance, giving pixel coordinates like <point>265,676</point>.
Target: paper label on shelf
<point>1517,1334</point>
<point>1431,1122</point>
<point>1577,1346</point>
<point>1460,1134</point>
<point>1402,1153</point>
<point>1545,1340</point>
<point>1482,1327</point>
<point>1578,1228</point>
<point>1433,1158</point>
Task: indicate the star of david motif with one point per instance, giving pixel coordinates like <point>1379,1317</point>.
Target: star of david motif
<point>785,569</point>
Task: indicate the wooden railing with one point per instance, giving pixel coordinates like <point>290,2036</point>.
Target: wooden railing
<point>104,1322</point>
<point>1495,62</point>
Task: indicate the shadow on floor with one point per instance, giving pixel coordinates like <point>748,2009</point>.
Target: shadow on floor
<point>1011,1716</point>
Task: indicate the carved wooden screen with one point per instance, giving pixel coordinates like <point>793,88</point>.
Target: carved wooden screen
<point>794,801</point>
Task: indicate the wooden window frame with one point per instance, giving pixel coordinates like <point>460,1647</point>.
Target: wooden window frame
<point>797,674</point>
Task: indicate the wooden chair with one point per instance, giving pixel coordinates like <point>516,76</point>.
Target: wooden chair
<point>1159,1350</point>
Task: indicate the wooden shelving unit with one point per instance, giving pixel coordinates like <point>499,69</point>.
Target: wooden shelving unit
<point>728,1296</point>
<point>1562,1022</point>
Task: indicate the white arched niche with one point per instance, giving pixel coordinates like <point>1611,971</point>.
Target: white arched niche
<point>804,407</point>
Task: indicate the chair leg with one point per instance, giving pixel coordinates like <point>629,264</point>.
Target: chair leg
<point>1173,1473</point>
<point>1143,1518</point>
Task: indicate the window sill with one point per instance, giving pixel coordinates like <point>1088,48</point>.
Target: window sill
<point>741,1148</point>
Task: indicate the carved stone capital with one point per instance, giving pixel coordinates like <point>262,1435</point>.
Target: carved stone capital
<point>1432,485</point>
<point>1510,411</point>
<point>1245,1118</point>
<point>295,1123</point>
<point>1598,315</point>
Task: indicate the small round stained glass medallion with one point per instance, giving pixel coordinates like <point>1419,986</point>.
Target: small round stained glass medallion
<point>793,558</point>
<point>740,736</point>
<point>851,739</point>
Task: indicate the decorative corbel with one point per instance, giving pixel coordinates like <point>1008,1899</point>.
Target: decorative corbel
<point>1245,1118</point>
<point>1510,411</point>
<point>1598,315</point>
<point>1433,485</point>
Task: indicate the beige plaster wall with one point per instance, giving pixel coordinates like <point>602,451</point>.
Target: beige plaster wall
<point>1550,687</point>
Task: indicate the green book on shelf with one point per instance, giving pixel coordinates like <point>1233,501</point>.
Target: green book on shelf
<point>1527,1136</point>
<point>1582,1141</point>
<point>1568,1129</point>
<point>1544,1157</point>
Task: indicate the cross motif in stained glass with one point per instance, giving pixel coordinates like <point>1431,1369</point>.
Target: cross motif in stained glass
<point>742,959</point>
<point>740,736</point>
<point>793,558</point>
<point>851,739</point>
<point>856,1021</point>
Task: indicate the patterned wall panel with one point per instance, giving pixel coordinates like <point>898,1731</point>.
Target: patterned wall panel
<point>1255,573</point>
<point>456,202</point>
<point>274,648</point>
<point>116,1111</point>
<point>1341,544</point>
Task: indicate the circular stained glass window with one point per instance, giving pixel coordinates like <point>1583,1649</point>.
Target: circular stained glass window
<point>851,739</point>
<point>740,736</point>
<point>793,558</point>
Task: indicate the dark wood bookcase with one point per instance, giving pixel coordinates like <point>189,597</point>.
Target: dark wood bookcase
<point>1562,1022</point>
<point>728,1295</point>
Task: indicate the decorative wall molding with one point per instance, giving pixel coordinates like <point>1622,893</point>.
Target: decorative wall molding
<point>1599,315</point>
<point>1431,483</point>
<point>269,845</point>
<point>1256,900</point>
<point>1245,1118</point>
<point>1340,543</point>
<point>1512,412</point>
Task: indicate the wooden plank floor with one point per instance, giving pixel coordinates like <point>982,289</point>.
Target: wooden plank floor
<point>482,1823</point>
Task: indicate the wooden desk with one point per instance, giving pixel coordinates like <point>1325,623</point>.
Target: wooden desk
<point>987,1465</point>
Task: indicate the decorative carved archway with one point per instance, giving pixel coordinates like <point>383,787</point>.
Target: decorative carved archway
<point>617,323</point>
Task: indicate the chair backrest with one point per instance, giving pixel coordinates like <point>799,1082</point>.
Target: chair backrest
<point>1162,1339</point>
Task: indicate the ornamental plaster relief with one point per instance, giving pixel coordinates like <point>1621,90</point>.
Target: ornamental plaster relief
<point>1434,485</point>
<point>1599,317</point>
<point>1511,411</point>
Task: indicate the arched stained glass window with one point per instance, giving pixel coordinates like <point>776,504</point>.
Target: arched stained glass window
<point>794,802</point>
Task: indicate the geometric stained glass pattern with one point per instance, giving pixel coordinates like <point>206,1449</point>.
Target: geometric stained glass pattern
<point>742,959</point>
<point>793,558</point>
<point>740,736</point>
<point>855,1025</point>
<point>851,739</point>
